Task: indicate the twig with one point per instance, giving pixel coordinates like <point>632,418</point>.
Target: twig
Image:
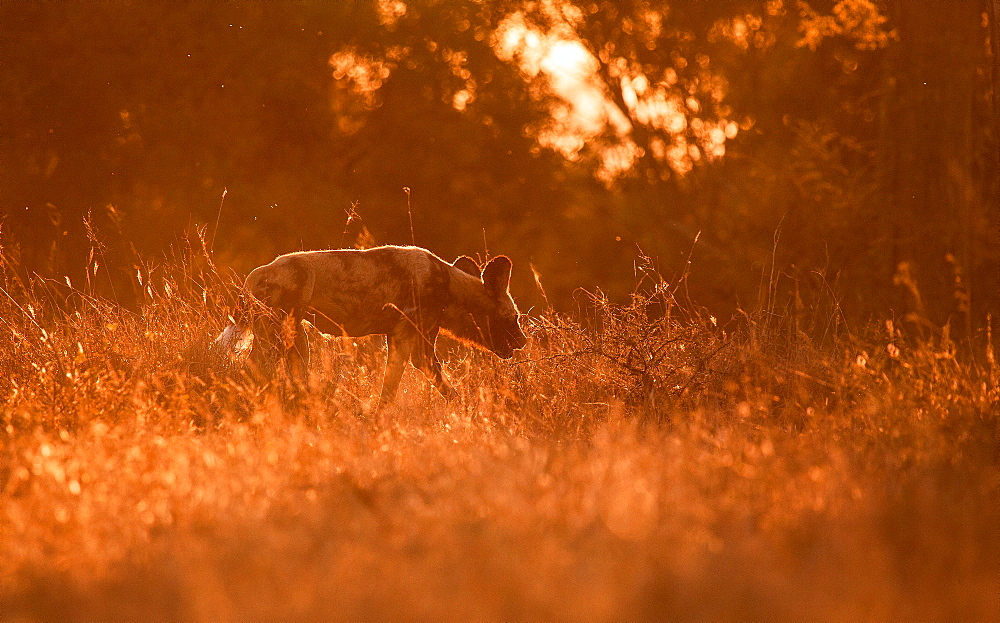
<point>218,217</point>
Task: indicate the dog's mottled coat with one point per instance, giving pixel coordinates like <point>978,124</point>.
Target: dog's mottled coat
<point>406,293</point>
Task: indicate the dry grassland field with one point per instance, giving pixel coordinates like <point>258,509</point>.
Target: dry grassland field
<point>634,462</point>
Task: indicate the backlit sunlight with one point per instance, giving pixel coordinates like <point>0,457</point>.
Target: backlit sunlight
<point>562,66</point>
<point>587,118</point>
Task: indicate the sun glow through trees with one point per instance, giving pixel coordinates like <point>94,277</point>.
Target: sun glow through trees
<point>596,100</point>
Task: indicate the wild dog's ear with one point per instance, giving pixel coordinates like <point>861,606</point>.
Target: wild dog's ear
<point>496,276</point>
<point>467,265</point>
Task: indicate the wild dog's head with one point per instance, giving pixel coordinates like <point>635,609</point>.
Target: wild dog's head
<point>286,283</point>
<point>489,318</point>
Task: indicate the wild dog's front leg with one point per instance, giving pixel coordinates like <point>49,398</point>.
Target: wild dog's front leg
<point>424,359</point>
<point>296,343</point>
<point>399,344</point>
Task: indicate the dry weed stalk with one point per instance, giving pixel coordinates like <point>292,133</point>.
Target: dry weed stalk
<point>635,459</point>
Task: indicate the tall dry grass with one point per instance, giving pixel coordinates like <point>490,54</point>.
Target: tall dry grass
<point>636,461</point>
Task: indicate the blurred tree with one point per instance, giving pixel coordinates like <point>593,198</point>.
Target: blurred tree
<point>566,133</point>
<point>938,165</point>
<point>140,116</point>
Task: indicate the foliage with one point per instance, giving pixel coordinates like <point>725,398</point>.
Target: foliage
<point>564,133</point>
<point>636,461</point>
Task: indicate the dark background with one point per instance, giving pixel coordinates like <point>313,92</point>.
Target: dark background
<point>865,157</point>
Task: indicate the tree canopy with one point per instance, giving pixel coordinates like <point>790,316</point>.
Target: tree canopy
<point>848,143</point>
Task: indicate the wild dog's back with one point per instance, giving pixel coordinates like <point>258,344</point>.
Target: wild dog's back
<point>351,289</point>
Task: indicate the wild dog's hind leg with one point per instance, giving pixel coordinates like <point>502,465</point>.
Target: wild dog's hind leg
<point>297,354</point>
<point>424,359</point>
<point>399,344</point>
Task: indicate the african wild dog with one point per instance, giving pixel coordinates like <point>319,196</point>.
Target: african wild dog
<point>406,293</point>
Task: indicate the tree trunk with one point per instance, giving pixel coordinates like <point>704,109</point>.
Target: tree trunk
<point>939,197</point>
